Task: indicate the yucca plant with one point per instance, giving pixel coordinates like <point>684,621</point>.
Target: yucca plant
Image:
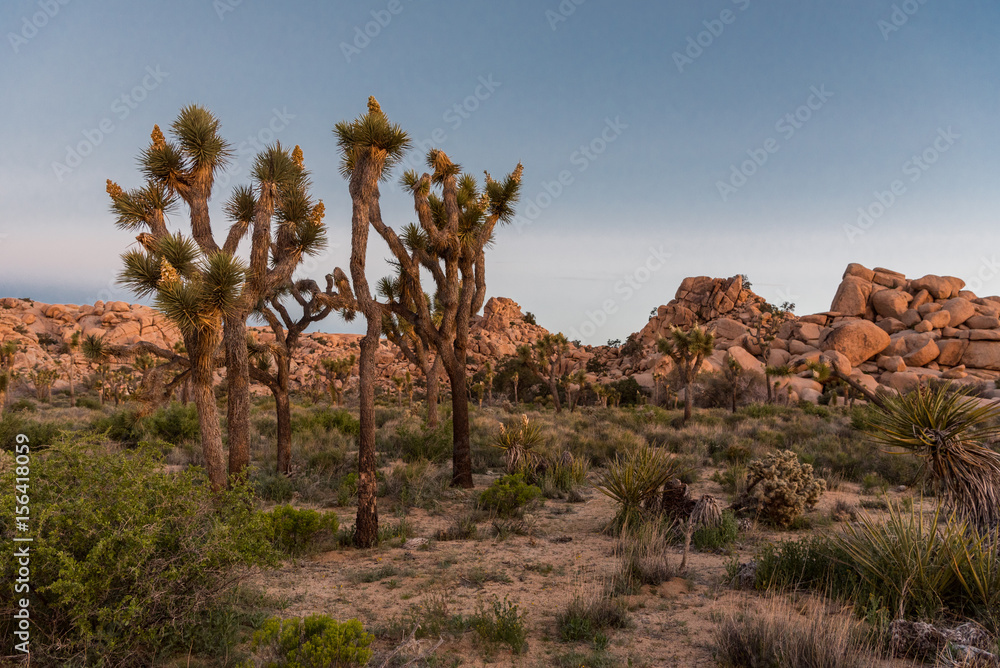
<point>951,431</point>
<point>518,443</point>
<point>634,479</point>
<point>906,557</point>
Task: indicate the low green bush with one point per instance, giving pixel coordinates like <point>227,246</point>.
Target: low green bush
<point>503,623</point>
<point>508,496</point>
<point>297,531</point>
<point>317,641</point>
<point>127,560</point>
<point>720,537</point>
<point>40,433</point>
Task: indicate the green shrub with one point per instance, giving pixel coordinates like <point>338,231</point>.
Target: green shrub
<point>22,405</point>
<point>720,537</point>
<point>40,434</point>
<point>86,401</point>
<point>174,424</point>
<point>811,563</point>
<point>584,618</point>
<point>508,496</point>
<point>503,623</point>
<point>340,419</point>
<point>413,443</point>
<point>272,486</point>
<point>126,566</point>
<point>295,530</point>
<point>317,641</point>
<point>121,425</point>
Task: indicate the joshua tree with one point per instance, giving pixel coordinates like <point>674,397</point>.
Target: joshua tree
<point>687,350</point>
<point>71,347</point>
<point>732,372</point>
<point>369,146</point>
<point>488,376</point>
<point>194,291</point>
<point>577,379</point>
<point>952,432</point>
<point>478,390</point>
<point>337,370</point>
<point>287,330</point>
<point>546,359</point>
<point>404,336</point>
<point>765,330</point>
<point>775,371</point>
<point>449,244</point>
<point>185,169</point>
<point>514,377</point>
<point>285,224</point>
<point>96,353</point>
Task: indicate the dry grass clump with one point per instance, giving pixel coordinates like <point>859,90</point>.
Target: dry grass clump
<point>779,636</point>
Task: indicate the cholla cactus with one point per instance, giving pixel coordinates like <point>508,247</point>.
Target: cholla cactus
<point>780,488</point>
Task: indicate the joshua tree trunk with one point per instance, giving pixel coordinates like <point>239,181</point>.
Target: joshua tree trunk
<point>554,388</point>
<point>770,391</point>
<point>462,453</point>
<point>366,526</point>
<point>202,349</point>
<point>432,375</point>
<point>283,412</point>
<point>238,402</point>
<point>688,399</point>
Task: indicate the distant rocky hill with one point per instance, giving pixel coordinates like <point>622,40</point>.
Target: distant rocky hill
<point>882,330</point>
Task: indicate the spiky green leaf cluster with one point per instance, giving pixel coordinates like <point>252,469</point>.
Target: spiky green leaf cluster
<point>371,133</point>
<point>952,432</point>
<point>133,208</point>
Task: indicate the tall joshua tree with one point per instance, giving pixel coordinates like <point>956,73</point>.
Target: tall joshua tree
<point>276,211</point>
<point>370,146</point>
<point>285,224</point>
<point>687,350</point>
<point>449,241</point>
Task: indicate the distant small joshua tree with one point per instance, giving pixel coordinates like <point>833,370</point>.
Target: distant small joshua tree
<point>688,350</point>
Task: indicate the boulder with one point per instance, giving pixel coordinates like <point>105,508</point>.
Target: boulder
<point>960,310</point>
<point>939,287</point>
<point>982,355</point>
<point>858,340</point>
<point>890,303</point>
<point>920,298</point>
<point>891,363</point>
<point>852,296</point>
<point>911,317</point>
<point>923,355</point>
<point>983,322</point>
<point>745,359</point>
<point>951,351</point>
<point>836,361</point>
<point>924,326</point>
<point>938,319</point>
<point>891,325</point>
<point>778,357</point>
<point>727,328</point>
<point>862,272</point>
<point>902,382</point>
<point>982,334</point>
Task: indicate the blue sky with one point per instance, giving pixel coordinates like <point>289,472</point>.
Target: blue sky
<point>659,140</point>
